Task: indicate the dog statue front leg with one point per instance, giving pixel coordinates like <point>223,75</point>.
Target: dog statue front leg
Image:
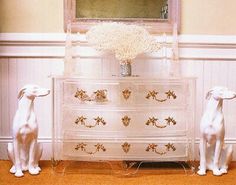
<point>33,170</point>
<point>11,156</point>
<point>38,154</point>
<point>17,163</point>
<point>218,149</point>
<point>202,167</point>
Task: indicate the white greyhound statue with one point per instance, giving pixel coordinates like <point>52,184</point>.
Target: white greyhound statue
<point>213,154</point>
<point>25,151</point>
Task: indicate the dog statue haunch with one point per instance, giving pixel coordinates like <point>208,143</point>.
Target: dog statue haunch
<point>213,154</point>
<point>25,151</point>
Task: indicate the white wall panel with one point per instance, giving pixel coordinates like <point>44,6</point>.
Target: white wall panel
<point>13,91</point>
<point>18,69</point>
<point>15,73</point>
<point>196,69</point>
<point>5,129</point>
<point>230,106</point>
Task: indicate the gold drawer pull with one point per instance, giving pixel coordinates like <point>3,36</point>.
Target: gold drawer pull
<point>153,94</point>
<point>100,95</point>
<point>81,120</point>
<point>97,96</point>
<point>82,147</point>
<point>154,148</point>
<point>154,121</point>
<point>126,147</point>
<point>126,94</point>
<point>126,120</point>
<point>81,95</point>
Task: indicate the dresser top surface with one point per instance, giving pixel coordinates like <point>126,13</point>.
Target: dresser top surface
<point>119,78</point>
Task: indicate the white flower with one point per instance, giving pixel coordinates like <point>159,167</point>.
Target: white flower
<point>126,41</point>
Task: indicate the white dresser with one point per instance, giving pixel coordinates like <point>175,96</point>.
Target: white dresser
<point>123,118</point>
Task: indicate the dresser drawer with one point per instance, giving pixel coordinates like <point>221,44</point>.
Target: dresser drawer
<point>161,94</point>
<point>143,121</point>
<point>84,147</point>
<point>126,94</point>
<point>133,118</point>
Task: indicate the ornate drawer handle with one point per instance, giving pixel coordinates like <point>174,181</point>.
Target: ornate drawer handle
<point>154,148</point>
<point>97,96</point>
<point>81,120</point>
<point>81,95</point>
<point>153,95</point>
<point>100,95</point>
<point>98,147</point>
<point>154,121</point>
<point>126,147</point>
<point>126,120</point>
<point>126,94</point>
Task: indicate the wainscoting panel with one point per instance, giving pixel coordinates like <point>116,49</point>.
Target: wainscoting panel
<point>17,69</point>
<point>4,97</point>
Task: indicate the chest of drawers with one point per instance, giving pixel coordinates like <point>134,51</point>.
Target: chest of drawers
<point>129,118</point>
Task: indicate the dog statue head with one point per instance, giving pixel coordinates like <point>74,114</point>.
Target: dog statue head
<point>31,91</point>
<point>220,93</point>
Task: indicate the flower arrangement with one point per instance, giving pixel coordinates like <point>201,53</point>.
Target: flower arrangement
<point>125,41</point>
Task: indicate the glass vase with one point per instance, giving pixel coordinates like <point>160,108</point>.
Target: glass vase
<point>125,68</point>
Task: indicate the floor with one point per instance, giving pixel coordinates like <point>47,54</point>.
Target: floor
<point>100,175</point>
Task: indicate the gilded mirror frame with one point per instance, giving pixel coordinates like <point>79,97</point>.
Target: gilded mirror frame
<point>152,25</point>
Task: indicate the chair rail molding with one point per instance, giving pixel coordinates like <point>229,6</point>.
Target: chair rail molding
<point>52,45</point>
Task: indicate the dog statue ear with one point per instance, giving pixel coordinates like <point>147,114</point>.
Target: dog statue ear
<point>208,95</point>
<point>21,93</point>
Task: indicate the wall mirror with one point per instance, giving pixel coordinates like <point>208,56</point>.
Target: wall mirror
<point>157,16</point>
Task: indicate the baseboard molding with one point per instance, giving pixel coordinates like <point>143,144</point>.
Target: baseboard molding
<point>6,139</point>
<point>227,140</point>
